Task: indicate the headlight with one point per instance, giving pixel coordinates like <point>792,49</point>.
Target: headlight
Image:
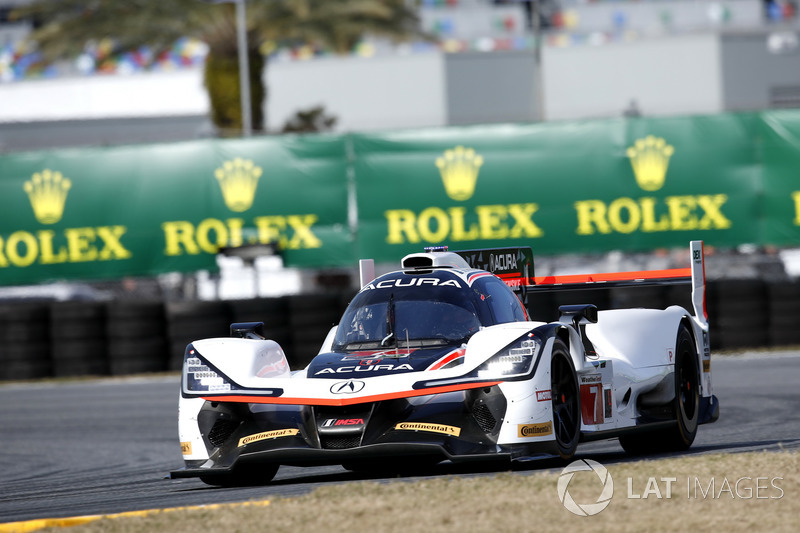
<point>514,360</point>
<point>200,377</point>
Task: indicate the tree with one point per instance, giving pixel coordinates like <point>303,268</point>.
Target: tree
<point>63,27</point>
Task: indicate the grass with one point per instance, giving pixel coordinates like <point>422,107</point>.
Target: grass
<point>704,495</point>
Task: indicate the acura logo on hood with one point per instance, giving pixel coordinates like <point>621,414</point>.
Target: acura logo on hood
<point>351,386</point>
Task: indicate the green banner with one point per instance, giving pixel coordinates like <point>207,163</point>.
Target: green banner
<point>144,210</point>
<point>630,184</point>
<point>780,210</point>
<point>627,184</point>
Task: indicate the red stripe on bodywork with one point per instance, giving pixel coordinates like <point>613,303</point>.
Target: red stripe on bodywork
<point>339,402</point>
<point>447,358</point>
<point>615,276</point>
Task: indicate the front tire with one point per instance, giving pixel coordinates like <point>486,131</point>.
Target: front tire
<point>566,401</point>
<point>685,405</point>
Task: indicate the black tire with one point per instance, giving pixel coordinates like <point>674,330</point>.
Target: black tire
<point>685,406</point>
<point>566,401</point>
<point>247,477</point>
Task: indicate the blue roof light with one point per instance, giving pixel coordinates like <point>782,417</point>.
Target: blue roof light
<point>436,248</point>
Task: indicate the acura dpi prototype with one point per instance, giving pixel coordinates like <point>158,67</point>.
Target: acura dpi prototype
<point>439,361</point>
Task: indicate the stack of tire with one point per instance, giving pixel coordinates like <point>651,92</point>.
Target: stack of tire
<point>784,313</point>
<point>311,317</point>
<point>136,333</point>
<point>24,341</point>
<point>647,296</point>
<point>273,312</point>
<point>738,314</point>
<point>192,320</point>
<point>78,339</point>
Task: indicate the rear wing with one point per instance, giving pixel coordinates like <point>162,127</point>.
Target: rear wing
<point>515,267</point>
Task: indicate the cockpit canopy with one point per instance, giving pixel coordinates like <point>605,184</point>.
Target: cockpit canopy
<point>433,308</point>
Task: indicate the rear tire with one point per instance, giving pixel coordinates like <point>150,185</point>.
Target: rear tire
<point>685,405</point>
<point>566,401</point>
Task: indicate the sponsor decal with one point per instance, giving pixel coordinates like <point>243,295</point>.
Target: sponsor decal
<point>268,435</point>
<point>707,366</point>
<point>369,368</point>
<point>186,448</point>
<point>650,160</point>
<point>535,430</point>
<point>459,168</point>
<point>393,353</point>
<point>433,428</point>
<point>339,422</point>
<point>591,390</point>
<point>502,262</point>
<point>436,225</point>
<point>411,282</point>
<point>591,378</point>
<point>238,180</point>
<point>544,396</point>
<point>47,191</point>
<point>291,232</point>
<point>350,386</point>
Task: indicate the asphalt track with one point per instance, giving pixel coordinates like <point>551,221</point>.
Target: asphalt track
<point>102,447</point>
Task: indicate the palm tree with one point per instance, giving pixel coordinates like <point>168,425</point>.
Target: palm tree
<point>63,27</point>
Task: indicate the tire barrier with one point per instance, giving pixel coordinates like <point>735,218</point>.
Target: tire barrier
<point>78,344</point>
<point>310,319</point>
<point>136,337</point>
<point>784,313</point>
<point>24,341</point>
<point>41,339</point>
<point>273,312</point>
<point>190,321</point>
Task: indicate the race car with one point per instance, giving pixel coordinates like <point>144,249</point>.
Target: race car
<point>439,361</point>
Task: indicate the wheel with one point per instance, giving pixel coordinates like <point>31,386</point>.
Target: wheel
<point>247,477</point>
<point>566,406</point>
<point>685,406</point>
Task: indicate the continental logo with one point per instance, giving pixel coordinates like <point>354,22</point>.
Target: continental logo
<point>186,448</point>
<point>47,191</point>
<point>268,435</point>
<point>535,430</point>
<point>459,169</point>
<point>650,160</point>
<point>238,180</point>
<point>433,428</point>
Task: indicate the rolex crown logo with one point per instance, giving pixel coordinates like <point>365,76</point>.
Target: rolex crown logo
<point>47,191</point>
<point>238,180</point>
<point>459,168</point>
<point>650,159</point>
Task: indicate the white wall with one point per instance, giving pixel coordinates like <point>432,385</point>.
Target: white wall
<point>393,91</point>
<point>668,75</point>
<point>97,97</point>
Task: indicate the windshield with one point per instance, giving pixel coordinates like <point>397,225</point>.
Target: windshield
<point>405,319</point>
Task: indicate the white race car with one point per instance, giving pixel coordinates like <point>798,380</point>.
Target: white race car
<point>439,361</point>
